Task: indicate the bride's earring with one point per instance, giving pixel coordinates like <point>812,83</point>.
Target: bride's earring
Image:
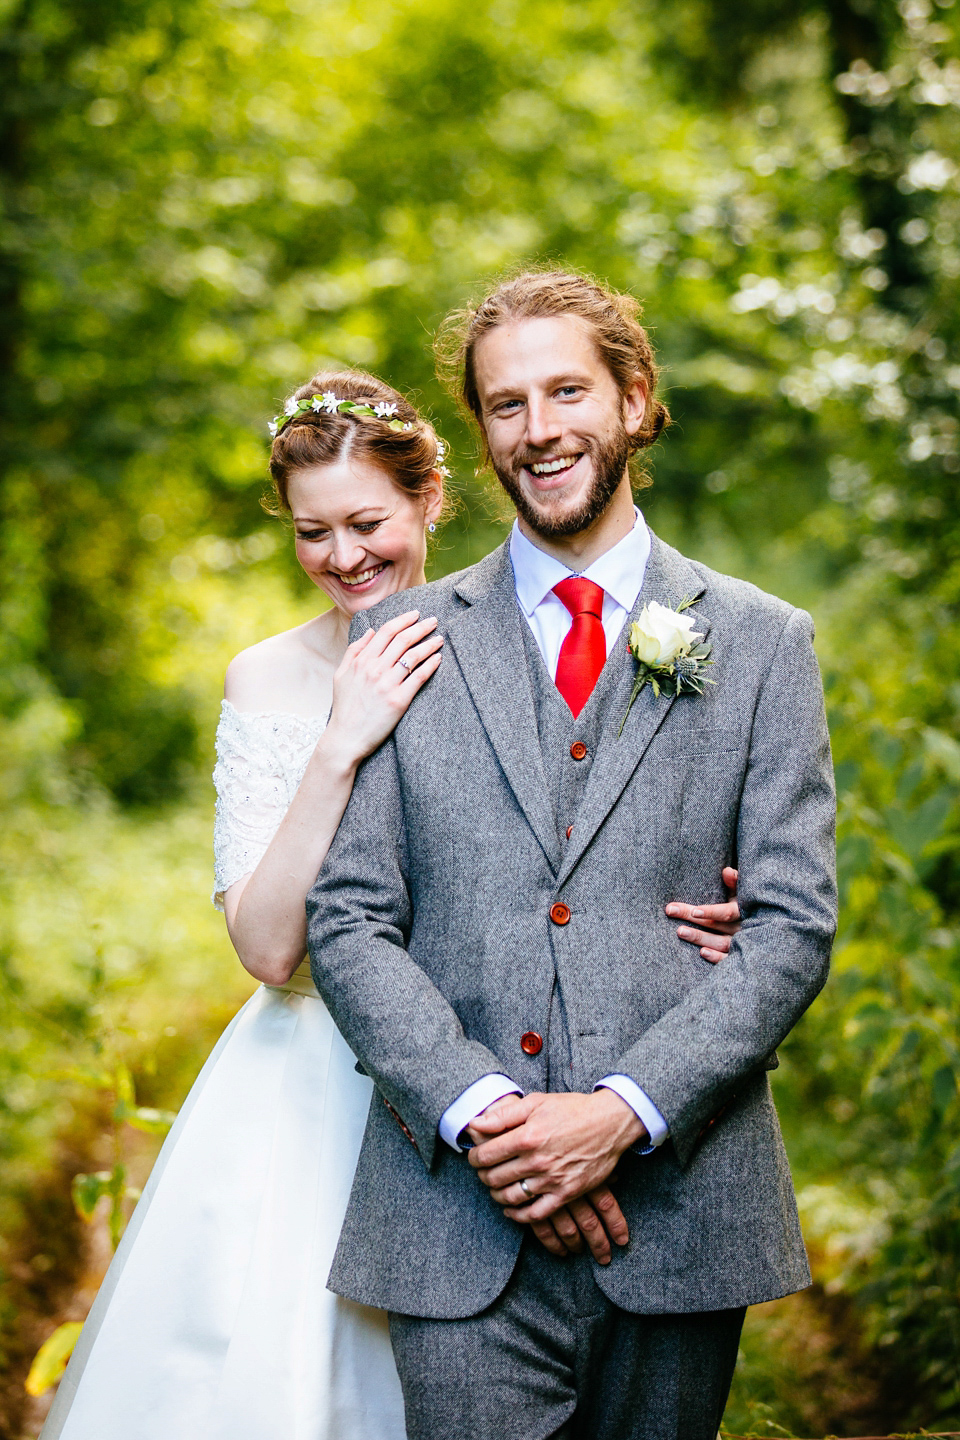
<point>431,527</point>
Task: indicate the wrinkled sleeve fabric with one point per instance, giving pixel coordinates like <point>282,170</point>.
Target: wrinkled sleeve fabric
<point>692,1060</point>
<point>405,1034</point>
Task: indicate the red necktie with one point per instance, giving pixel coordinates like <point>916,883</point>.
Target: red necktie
<point>583,653</point>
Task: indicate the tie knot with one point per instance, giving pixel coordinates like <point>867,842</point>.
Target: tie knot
<point>581,597</point>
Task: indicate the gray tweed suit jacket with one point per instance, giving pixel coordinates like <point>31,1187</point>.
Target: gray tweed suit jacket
<point>431,941</point>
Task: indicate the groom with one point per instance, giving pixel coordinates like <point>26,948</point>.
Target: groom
<point>489,933</point>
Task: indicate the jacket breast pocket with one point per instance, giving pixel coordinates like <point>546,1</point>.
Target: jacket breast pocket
<point>682,741</point>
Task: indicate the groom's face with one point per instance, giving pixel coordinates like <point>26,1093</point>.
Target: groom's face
<point>556,424</point>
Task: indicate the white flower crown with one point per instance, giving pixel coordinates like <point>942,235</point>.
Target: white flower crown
<point>330,404</point>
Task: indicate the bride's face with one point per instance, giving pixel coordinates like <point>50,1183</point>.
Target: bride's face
<point>360,537</point>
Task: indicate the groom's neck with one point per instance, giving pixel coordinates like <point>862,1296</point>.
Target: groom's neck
<point>579,551</point>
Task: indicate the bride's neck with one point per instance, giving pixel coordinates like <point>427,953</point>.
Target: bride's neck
<point>341,632</point>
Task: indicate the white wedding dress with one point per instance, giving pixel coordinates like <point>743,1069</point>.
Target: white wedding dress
<point>214,1321</point>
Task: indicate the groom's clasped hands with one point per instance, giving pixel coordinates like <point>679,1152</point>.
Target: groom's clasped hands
<point>565,1147</point>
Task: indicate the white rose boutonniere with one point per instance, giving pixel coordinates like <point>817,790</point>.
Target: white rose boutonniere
<point>664,644</point>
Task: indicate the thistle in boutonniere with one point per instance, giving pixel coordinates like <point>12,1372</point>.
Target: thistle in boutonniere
<point>664,644</point>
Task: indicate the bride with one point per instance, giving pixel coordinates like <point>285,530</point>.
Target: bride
<point>214,1320</point>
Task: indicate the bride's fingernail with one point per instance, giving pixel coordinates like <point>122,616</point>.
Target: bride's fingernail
<point>696,914</point>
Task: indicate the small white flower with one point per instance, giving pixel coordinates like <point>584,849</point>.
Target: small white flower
<point>272,427</point>
<point>331,402</point>
<point>291,407</point>
<point>441,449</point>
<point>408,425</point>
<point>384,409</point>
<point>660,635</point>
<point>316,403</point>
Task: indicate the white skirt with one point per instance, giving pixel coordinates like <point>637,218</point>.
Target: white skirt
<point>214,1321</point>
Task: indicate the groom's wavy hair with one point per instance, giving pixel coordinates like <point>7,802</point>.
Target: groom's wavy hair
<point>612,319</point>
<point>409,456</point>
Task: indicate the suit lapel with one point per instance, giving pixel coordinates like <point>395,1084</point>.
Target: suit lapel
<point>488,644</point>
<point>669,578</point>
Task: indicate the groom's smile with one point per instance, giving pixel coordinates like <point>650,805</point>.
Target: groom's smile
<point>553,467</point>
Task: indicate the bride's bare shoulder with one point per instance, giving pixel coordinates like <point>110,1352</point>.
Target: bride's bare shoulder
<point>286,672</point>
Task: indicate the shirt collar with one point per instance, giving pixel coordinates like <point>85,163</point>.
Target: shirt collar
<point>619,571</point>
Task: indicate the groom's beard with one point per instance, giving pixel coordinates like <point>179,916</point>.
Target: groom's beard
<point>553,522</point>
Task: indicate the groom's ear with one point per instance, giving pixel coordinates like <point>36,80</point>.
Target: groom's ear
<point>635,400</point>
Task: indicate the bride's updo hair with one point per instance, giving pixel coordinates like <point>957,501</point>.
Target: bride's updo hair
<point>408,455</point>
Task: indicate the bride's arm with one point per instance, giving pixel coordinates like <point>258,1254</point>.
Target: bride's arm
<point>264,910</point>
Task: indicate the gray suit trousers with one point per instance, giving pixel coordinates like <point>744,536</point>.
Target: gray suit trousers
<point>554,1359</point>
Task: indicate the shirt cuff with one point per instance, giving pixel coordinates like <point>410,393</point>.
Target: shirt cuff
<point>468,1106</point>
<point>641,1105</point>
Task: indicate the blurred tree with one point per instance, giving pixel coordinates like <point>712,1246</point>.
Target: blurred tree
<point>74,319</point>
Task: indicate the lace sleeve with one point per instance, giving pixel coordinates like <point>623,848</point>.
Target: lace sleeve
<point>260,763</point>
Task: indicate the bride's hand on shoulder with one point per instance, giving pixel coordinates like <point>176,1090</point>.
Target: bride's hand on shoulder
<point>710,926</point>
<point>378,677</point>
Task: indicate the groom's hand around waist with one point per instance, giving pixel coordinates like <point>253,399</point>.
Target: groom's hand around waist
<point>564,1147</point>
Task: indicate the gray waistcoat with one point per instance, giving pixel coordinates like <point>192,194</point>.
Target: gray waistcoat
<point>567,783</point>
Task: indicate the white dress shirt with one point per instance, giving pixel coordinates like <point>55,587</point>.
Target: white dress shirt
<point>619,573</point>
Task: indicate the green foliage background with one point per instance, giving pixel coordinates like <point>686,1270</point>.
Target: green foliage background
<point>201,204</point>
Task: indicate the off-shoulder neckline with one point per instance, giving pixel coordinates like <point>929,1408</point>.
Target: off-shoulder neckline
<point>273,714</point>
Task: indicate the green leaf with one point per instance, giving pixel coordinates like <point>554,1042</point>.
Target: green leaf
<point>640,680</point>
<point>51,1359</point>
<point>86,1190</point>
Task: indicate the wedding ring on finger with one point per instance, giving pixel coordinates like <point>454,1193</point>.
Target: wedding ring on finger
<point>524,1186</point>
<point>405,663</point>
